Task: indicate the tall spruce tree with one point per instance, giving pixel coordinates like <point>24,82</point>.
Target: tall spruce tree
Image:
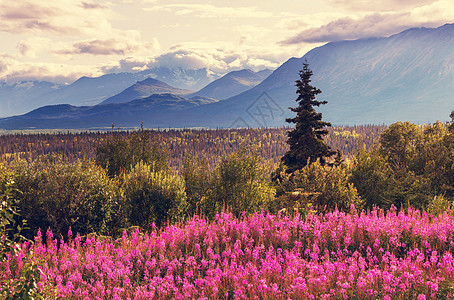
<point>306,138</point>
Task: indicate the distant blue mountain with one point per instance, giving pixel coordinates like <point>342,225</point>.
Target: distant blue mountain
<point>143,89</point>
<point>407,76</point>
<point>19,98</point>
<point>121,114</point>
<point>233,83</point>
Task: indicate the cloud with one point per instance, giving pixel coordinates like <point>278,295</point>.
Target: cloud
<point>211,11</point>
<point>92,5</point>
<point>12,70</point>
<point>112,46</point>
<point>377,6</point>
<point>63,17</point>
<point>129,64</point>
<point>33,46</point>
<point>220,58</point>
<point>373,25</point>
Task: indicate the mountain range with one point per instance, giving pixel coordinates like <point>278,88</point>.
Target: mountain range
<point>22,97</point>
<point>405,77</point>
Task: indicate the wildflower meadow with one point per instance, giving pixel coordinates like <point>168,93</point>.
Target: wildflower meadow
<point>357,255</point>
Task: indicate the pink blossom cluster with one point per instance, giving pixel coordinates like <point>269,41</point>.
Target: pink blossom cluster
<point>373,255</point>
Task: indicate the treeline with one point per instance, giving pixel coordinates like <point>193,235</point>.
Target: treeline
<point>212,144</point>
<point>144,177</point>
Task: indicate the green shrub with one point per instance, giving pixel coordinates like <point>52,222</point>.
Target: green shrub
<point>198,180</point>
<point>118,154</point>
<point>438,205</point>
<point>323,186</point>
<point>153,196</point>
<point>25,284</point>
<point>410,166</point>
<point>372,177</point>
<point>79,195</point>
<point>240,183</point>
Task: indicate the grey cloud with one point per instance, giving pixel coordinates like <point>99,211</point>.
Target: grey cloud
<point>100,47</point>
<point>375,25</point>
<point>91,5</point>
<point>63,17</point>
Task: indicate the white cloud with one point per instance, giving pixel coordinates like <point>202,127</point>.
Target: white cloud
<point>13,70</point>
<point>34,46</point>
<point>220,58</point>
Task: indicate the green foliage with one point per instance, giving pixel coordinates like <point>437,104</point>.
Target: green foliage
<point>323,186</point>
<point>240,183</point>
<point>306,138</point>
<point>411,165</point>
<point>79,195</point>
<point>153,196</point>
<point>399,145</point>
<point>117,154</point>
<point>438,205</point>
<point>198,182</point>
<point>25,285</point>
<point>372,177</point>
<point>10,233</point>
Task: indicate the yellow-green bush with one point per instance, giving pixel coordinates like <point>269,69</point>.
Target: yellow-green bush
<point>240,183</point>
<point>323,186</point>
<point>153,196</point>
<point>79,195</point>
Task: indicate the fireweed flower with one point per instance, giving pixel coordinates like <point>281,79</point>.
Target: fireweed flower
<point>392,255</point>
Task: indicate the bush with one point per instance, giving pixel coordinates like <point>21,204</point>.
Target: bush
<point>25,284</point>
<point>323,186</point>
<point>78,195</point>
<point>410,166</point>
<point>153,196</point>
<point>239,184</point>
<point>438,205</point>
<point>372,177</point>
<point>198,179</point>
<point>119,155</point>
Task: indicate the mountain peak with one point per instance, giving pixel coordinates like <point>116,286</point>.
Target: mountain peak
<point>143,89</point>
<point>232,84</point>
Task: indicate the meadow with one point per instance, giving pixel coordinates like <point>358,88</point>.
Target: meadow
<point>367,255</point>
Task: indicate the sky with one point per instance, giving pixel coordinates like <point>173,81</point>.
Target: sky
<point>62,40</point>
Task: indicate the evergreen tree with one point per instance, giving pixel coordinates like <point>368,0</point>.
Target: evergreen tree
<point>306,139</point>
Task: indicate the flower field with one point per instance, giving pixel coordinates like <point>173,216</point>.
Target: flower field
<point>374,255</point>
